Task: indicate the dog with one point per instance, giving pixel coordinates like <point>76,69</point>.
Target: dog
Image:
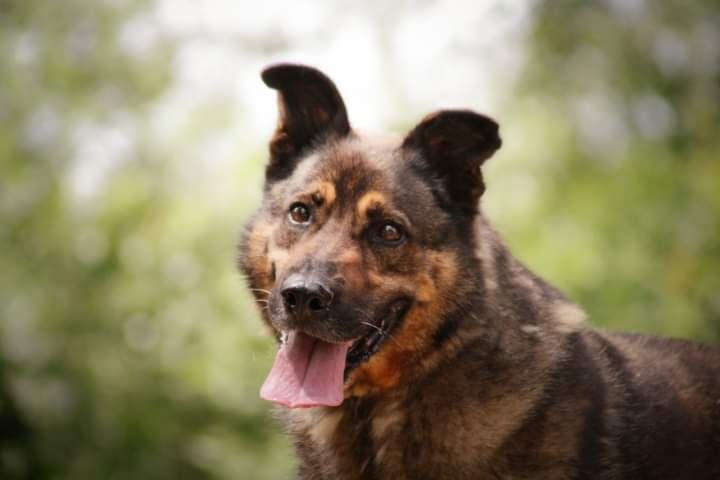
<point>413,345</point>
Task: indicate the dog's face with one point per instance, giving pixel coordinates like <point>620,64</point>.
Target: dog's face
<point>360,240</point>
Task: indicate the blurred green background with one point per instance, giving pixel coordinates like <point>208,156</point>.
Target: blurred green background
<point>132,143</point>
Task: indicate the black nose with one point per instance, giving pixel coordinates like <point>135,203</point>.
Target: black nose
<point>309,300</point>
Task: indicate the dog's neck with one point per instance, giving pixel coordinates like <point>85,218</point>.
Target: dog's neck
<point>521,298</point>
<point>517,306</point>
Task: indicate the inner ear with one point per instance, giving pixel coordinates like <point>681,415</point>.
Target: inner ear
<point>453,144</point>
<point>310,109</point>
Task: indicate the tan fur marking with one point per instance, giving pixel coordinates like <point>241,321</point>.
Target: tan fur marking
<point>444,268</point>
<point>426,291</point>
<point>258,237</point>
<point>257,240</point>
<point>326,191</point>
<point>350,256</point>
<point>279,256</point>
<point>403,351</point>
<point>375,280</point>
<point>369,201</point>
<point>282,113</point>
<point>319,424</point>
<point>484,251</point>
<point>324,425</point>
<point>528,284</point>
<point>568,316</point>
<point>380,455</point>
<point>530,329</point>
<point>384,419</point>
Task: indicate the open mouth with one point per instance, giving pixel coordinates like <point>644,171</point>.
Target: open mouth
<point>311,372</point>
<point>366,346</point>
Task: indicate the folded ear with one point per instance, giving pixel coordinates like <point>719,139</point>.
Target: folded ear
<point>310,110</point>
<point>453,144</point>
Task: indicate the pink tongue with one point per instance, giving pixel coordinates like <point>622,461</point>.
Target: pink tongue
<point>307,373</point>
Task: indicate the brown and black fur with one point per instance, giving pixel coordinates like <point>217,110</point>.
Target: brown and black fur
<point>490,372</point>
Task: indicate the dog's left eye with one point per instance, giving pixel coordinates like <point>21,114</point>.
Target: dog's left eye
<point>390,233</point>
<point>299,213</point>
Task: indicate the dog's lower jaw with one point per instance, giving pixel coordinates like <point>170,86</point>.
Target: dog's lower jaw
<point>404,358</point>
<point>379,332</point>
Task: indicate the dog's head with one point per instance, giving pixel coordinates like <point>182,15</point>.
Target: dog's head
<point>361,240</point>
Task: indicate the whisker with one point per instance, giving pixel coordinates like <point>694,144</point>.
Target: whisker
<point>382,332</point>
<point>361,313</point>
<point>261,290</point>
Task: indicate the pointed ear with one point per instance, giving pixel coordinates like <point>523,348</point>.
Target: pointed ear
<point>453,144</point>
<point>310,109</point>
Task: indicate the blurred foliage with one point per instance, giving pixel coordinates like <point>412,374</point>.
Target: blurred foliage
<point>128,345</point>
<point>616,133</point>
<point>122,353</point>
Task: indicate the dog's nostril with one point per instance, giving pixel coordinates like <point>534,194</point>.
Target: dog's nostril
<point>316,304</point>
<point>290,299</point>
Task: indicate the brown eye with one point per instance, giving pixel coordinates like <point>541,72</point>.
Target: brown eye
<point>299,213</point>
<point>390,233</point>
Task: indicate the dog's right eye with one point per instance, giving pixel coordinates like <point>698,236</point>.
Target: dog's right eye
<point>299,213</point>
<point>389,233</point>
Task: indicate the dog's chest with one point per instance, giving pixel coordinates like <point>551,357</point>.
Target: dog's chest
<point>360,439</point>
